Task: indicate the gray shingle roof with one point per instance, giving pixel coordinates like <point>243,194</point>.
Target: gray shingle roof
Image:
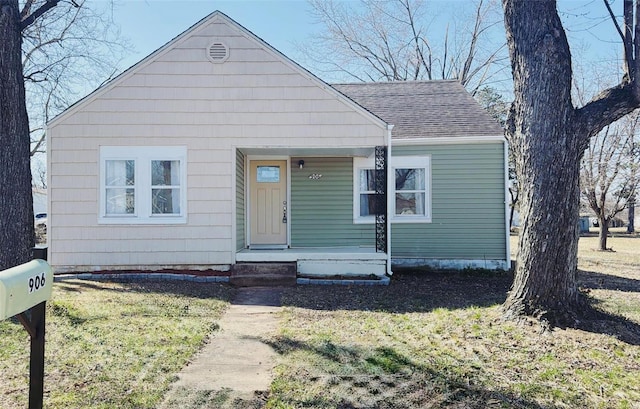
<point>423,109</point>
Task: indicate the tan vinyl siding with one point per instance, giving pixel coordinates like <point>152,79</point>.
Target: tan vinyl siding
<point>240,201</point>
<point>322,209</point>
<point>177,97</point>
<point>468,211</point>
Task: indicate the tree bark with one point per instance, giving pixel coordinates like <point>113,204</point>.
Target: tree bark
<point>549,135</point>
<point>603,233</point>
<point>632,209</point>
<point>547,164</point>
<point>16,202</point>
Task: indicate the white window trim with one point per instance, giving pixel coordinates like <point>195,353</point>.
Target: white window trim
<point>413,162</point>
<point>143,155</point>
<point>358,165</point>
<point>422,162</point>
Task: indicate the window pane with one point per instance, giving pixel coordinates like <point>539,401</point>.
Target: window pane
<point>120,201</point>
<point>165,173</point>
<point>367,180</point>
<point>410,204</point>
<point>120,173</point>
<point>410,179</point>
<point>367,204</point>
<point>165,201</point>
<point>268,174</point>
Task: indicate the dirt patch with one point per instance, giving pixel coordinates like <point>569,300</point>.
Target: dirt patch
<point>407,292</point>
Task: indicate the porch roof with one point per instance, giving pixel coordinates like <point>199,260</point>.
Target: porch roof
<point>361,151</point>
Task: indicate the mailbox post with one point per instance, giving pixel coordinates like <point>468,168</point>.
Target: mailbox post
<point>27,287</point>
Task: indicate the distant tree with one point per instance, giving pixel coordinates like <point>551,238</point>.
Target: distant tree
<point>72,48</point>
<point>549,136</point>
<point>607,173</point>
<point>22,61</point>
<point>635,177</point>
<point>631,222</point>
<point>494,103</point>
<point>391,40</point>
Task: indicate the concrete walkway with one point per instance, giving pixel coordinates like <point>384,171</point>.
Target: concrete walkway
<point>235,358</point>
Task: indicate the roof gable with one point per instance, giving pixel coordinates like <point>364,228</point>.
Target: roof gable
<point>199,29</point>
<point>424,109</point>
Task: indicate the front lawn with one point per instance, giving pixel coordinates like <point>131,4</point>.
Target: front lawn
<point>438,341</point>
<point>111,345</point>
<point>428,340</point>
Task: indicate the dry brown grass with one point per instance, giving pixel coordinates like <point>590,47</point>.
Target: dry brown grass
<point>429,340</point>
<point>437,340</point>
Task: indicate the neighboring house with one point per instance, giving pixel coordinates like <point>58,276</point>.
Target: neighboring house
<point>217,149</point>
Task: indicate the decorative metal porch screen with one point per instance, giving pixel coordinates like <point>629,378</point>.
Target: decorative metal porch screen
<point>381,198</point>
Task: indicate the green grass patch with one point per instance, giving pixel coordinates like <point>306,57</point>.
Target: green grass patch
<point>436,340</point>
<point>430,339</point>
<point>111,345</point>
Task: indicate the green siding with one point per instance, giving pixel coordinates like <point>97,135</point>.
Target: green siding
<point>322,210</point>
<point>240,222</point>
<point>468,205</point>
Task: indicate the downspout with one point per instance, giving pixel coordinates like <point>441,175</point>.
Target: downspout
<point>506,205</point>
<point>390,184</point>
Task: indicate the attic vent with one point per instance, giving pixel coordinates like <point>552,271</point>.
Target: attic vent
<point>218,52</point>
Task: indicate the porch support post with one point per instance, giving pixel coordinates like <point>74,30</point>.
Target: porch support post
<point>391,180</point>
<point>381,198</point>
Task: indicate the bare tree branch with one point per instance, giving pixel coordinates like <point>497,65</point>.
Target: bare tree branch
<point>607,176</point>
<point>390,40</point>
<point>67,51</point>
<point>608,106</point>
<point>31,18</point>
<point>26,9</point>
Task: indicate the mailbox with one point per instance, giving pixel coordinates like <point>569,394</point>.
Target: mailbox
<point>24,286</point>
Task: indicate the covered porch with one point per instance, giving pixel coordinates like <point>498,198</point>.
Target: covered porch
<point>297,206</point>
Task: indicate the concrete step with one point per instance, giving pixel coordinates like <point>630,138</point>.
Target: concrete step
<point>263,274</point>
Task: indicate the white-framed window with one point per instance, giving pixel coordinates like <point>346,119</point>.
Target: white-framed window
<point>367,192</point>
<point>143,185</point>
<point>410,190</point>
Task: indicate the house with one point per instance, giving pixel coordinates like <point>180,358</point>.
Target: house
<point>217,150</point>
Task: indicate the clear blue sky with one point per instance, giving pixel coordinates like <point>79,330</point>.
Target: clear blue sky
<point>149,24</point>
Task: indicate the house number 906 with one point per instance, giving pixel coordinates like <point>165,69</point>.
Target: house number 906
<point>36,282</point>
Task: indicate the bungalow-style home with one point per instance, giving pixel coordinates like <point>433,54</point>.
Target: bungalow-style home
<point>218,150</point>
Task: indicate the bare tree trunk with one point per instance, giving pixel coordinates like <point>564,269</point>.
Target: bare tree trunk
<point>549,135</point>
<point>632,210</point>
<point>547,164</point>
<point>604,232</point>
<point>16,202</point>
